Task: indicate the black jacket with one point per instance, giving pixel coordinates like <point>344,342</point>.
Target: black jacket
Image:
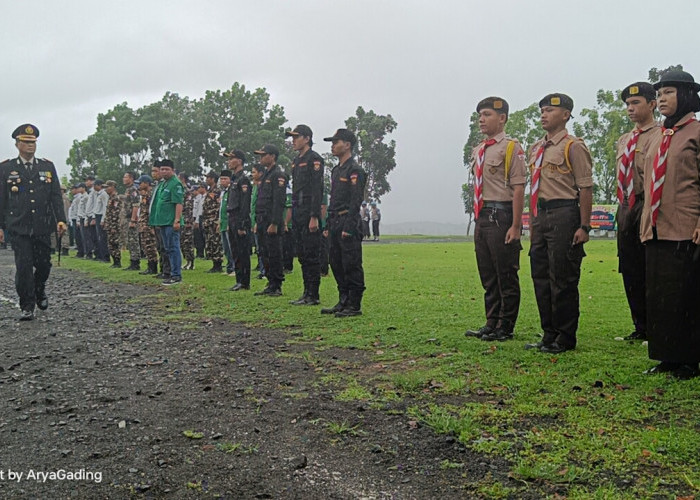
<point>347,192</point>
<point>272,195</point>
<point>30,203</point>
<point>307,183</point>
<point>238,207</point>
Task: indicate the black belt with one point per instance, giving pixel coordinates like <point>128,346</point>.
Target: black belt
<point>552,204</point>
<point>499,205</point>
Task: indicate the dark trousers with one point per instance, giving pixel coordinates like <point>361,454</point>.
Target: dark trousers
<point>228,251</point>
<point>309,253</point>
<point>673,301</point>
<point>90,234</point>
<point>323,251</point>
<point>162,254</point>
<point>271,246</point>
<point>365,229</point>
<point>101,251</point>
<point>79,243</point>
<point>71,233</point>
<point>375,229</point>
<point>632,263</point>
<point>240,249</point>
<point>33,266</point>
<point>289,249</point>
<point>345,257</point>
<point>199,240</point>
<point>498,265</point>
<point>556,268</point>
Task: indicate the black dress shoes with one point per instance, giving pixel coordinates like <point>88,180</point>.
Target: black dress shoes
<point>499,335</point>
<point>480,333</point>
<point>554,348</point>
<point>534,345</point>
<point>686,372</point>
<point>239,286</point>
<point>636,336</point>
<point>663,367</point>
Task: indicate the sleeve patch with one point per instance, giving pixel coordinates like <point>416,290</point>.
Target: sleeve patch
<point>317,166</point>
<point>353,178</point>
<point>244,187</point>
<point>281,181</point>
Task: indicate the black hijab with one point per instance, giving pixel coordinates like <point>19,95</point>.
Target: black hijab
<point>688,101</point>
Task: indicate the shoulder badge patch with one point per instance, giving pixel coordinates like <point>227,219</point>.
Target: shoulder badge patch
<point>281,181</point>
<point>317,166</point>
<point>353,178</point>
<point>244,187</point>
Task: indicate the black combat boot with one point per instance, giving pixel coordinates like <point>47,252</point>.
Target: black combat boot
<point>352,307</point>
<point>135,266</point>
<point>42,301</point>
<point>342,301</point>
<point>151,269</point>
<point>216,268</point>
<point>117,263</point>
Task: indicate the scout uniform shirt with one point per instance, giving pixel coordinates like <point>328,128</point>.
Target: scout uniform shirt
<point>644,143</point>
<point>679,211</point>
<point>496,185</point>
<point>561,179</point>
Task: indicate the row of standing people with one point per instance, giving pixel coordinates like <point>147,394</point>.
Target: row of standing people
<point>371,214</point>
<point>658,176</point>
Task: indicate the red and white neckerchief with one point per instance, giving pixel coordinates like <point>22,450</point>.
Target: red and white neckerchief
<point>535,182</point>
<point>625,175</point>
<point>479,177</point>
<point>658,174</point>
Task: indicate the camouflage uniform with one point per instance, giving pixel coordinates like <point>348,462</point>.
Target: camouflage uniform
<point>112,223</point>
<point>187,234</point>
<point>148,235</point>
<point>132,233</point>
<point>210,216</point>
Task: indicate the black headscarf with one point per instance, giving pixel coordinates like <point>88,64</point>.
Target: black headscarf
<point>688,101</point>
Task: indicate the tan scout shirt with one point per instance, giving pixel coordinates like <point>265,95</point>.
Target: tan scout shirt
<point>679,212</point>
<point>649,133</point>
<point>495,185</point>
<point>558,181</point>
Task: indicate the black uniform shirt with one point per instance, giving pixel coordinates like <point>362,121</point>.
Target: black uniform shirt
<point>347,192</point>
<point>272,195</point>
<point>239,202</point>
<point>307,183</point>
<point>30,201</point>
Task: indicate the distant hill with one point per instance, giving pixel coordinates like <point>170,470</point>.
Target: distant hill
<point>425,227</point>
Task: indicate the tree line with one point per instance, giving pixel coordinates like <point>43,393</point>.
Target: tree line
<point>194,132</point>
<point>600,127</point>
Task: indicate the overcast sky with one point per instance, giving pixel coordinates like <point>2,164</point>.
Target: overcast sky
<point>427,63</point>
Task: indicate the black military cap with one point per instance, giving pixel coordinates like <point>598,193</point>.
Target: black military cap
<point>268,149</point>
<point>26,133</point>
<point>165,163</point>
<point>236,153</point>
<point>498,104</point>
<point>557,100</point>
<point>675,78</point>
<point>99,182</point>
<point>342,134</point>
<point>304,130</point>
<point>642,89</point>
<point>226,173</point>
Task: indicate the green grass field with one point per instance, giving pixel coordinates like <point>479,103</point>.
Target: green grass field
<point>588,421</point>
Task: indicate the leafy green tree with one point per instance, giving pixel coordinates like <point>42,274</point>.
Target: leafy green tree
<point>375,156</point>
<point>655,74</point>
<point>473,140</point>
<point>600,127</point>
<point>524,125</point>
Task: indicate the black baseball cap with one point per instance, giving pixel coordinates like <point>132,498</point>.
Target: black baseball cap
<point>304,130</point>
<point>268,149</point>
<point>235,153</point>
<point>342,134</point>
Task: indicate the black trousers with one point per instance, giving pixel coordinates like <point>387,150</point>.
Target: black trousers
<point>556,269</point>
<point>498,265</point>
<point>346,259</point>
<point>240,250</point>
<point>673,301</point>
<point>199,242</point>
<point>33,266</point>
<point>308,252</point>
<point>101,251</point>
<point>271,246</point>
<point>375,229</point>
<point>90,234</point>
<point>289,249</point>
<point>79,243</point>
<point>632,262</point>
<point>325,244</point>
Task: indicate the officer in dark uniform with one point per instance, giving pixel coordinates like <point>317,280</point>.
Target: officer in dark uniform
<point>307,197</point>
<point>269,217</point>
<point>31,208</point>
<point>239,219</point>
<point>345,226</point>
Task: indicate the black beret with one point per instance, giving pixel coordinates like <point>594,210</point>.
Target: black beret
<point>643,89</point>
<point>498,104</point>
<point>557,100</point>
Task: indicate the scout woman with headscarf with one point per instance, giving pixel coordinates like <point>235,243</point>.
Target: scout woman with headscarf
<point>670,227</point>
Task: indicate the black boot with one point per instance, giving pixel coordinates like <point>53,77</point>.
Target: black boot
<point>151,269</point>
<point>216,268</point>
<point>135,266</point>
<point>65,251</point>
<point>42,301</point>
<point>353,306</point>
<point>117,263</point>
<point>342,301</point>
